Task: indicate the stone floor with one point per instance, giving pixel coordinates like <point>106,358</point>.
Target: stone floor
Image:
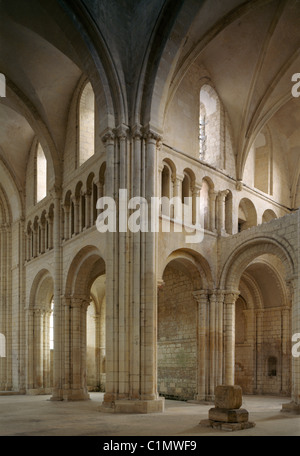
<point>38,416</point>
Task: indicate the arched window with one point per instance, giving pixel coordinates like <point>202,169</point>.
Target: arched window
<point>228,213</point>
<point>86,124</point>
<point>2,346</point>
<point>247,216</point>
<point>263,175</point>
<point>188,197</point>
<point>204,204</point>
<point>166,191</point>
<point>165,181</point>
<point>210,127</point>
<point>186,187</point>
<point>268,215</point>
<point>41,174</point>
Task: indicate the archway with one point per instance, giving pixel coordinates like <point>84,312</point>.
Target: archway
<point>268,215</point>
<point>85,347</point>
<point>263,329</point>
<point>40,335</point>
<point>247,216</point>
<point>177,331</point>
<point>181,342</point>
<point>262,270</point>
<point>96,329</point>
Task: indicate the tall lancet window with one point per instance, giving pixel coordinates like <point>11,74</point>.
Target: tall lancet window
<point>86,124</point>
<point>41,174</point>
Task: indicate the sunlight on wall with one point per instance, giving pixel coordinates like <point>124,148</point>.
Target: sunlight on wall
<point>86,124</point>
<point>41,174</point>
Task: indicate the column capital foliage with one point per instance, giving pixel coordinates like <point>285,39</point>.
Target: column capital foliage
<point>201,295</point>
<point>151,134</point>
<point>78,301</point>
<point>231,296</point>
<point>137,131</point>
<point>121,132</point>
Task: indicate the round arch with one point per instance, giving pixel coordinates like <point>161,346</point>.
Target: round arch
<point>247,252</point>
<point>191,261</point>
<point>41,291</point>
<point>268,215</point>
<point>39,354</point>
<point>85,267</point>
<point>247,216</point>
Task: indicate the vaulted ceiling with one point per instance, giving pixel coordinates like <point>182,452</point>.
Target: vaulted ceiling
<point>250,49</point>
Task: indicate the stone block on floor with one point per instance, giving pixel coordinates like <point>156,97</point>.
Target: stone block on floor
<point>228,397</point>
<point>228,416</point>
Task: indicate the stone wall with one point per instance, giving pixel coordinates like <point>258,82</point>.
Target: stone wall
<point>177,357</point>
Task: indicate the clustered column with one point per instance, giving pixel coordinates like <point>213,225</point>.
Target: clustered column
<point>216,340</point>
<point>75,309</point>
<point>131,277</point>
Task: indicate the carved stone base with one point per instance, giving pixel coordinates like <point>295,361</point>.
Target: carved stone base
<point>131,406</point>
<point>218,425</point>
<point>228,416</point>
<point>291,407</point>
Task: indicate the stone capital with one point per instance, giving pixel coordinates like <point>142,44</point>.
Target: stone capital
<point>79,301</point>
<point>122,132</point>
<point>196,189</point>
<point>160,284</point>
<point>230,296</point>
<point>108,137</point>
<point>223,194</point>
<point>151,134</point>
<point>201,296</point>
<point>137,132</point>
<point>178,178</point>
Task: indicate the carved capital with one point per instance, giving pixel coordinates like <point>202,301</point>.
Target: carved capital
<point>108,137</point>
<point>231,296</point>
<point>122,132</point>
<point>137,131</point>
<point>152,135</point>
<point>201,296</point>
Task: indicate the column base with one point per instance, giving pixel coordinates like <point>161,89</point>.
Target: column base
<point>291,407</point>
<point>36,391</point>
<point>133,406</point>
<point>71,395</point>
